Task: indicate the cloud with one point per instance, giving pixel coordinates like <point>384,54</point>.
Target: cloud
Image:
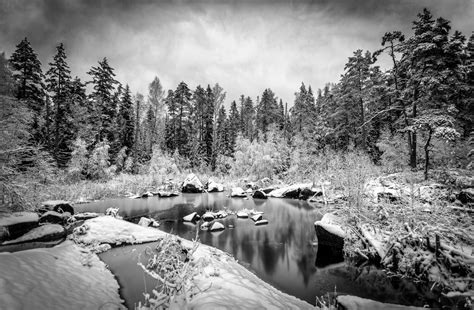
<point>244,46</point>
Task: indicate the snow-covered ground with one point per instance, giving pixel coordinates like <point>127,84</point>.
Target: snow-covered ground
<point>63,277</point>
<point>224,282</point>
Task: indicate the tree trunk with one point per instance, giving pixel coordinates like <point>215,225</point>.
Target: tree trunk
<point>413,133</point>
<point>427,153</point>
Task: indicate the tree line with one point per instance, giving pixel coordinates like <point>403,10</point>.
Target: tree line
<point>422,102</point>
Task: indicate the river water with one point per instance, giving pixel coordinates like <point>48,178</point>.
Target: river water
<point>283,253</point>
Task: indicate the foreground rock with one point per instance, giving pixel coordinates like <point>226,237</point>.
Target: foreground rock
<point>16,224</point>
<point>329,231</point>
<point>63,277</point>
<point>53,217</point>
<point>357,303</point>
<point>48,232</point>
<point>217,226</point>
<point>59,206</point>
<point>192,184</point>
<point>228,284</point>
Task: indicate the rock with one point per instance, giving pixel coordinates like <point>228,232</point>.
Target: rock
<point>145,222</point>
<point>261,222</point>
<point>59,206</point>
<point>230,226</point>
<point>192,184</point>
<point>48,232</point>
<point>220,214</point>
<point>208,216</point>
<point>213,186</point>
<point>357,303</point>
<point>466,195</point>
<point>113,212</point>
<point>166,194</point>
<point>154,223</point>
<point>251,186</point>
<point>259,195</point>
<point>329,231</point>
<point>242,214</point>
<point>217,226</point>
<point>53,217</point>
<point>85,216</point>
<point>307,193</point>
<point>18,223</point>
<point>147,194</point>
<point>237,192</point>
<point>205,225</point>
<point>292,191</point>
<point>191,217</point>
<point>256,217</point>
<point>131,196</point>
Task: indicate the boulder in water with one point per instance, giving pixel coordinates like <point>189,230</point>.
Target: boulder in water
<point>329,231</point>
<point>48,232</point>
<point>213,186</point>
<point>166,194</point>
<point>18,223</point>
<point>192,184</point>
<point>256,217</point>
<point>220,214</point>
<point>259,195</point>
<point>208,216</point>
<point>242,214</point>
<point>237,192</point>
<point>205,225</point>
<point>292,191</point>
<point>191,217</point>
<point>217,226</point>
<point>59,206</point>
<point>261,222</point>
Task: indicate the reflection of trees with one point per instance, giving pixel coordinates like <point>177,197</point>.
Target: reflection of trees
<point>247,248</point>
<point>305,265</point>
<point>268,255</point>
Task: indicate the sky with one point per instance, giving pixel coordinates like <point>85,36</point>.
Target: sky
<point>245,46</point>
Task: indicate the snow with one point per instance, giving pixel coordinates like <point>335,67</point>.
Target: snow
<point>237,192</point>
<point>358,303</point>
<point>331,223</point>
<point>280,192</point>
<point>63,277</point>
<point>55,231</point>
<point>217,226</point>
<point>19,217</point>
<point>190,217</point>
<point>225,284</point>
<point>107,229</point>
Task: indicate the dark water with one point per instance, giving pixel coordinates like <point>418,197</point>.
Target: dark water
<point>282,253</point>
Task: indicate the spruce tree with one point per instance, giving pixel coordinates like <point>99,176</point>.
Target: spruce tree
<point>234,126</point>
<point>58,81</point>
<point>126,121</point>
<point>104,85</point>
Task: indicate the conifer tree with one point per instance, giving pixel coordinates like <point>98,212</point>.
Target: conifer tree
<point>234,126</point>
<point>58,82</point>
<point>104,85</point>
<point>267,112</point>
<point>126,121</point>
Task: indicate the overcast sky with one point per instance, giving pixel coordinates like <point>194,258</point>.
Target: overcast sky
<point>245,46</point>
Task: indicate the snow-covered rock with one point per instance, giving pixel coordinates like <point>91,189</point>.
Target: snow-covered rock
<point>63,277</point>
<point>154,223</point>
<point>220,214</point>
<point>166,194</point>
<point>208,216</point>
<point>216,226</point>
<point>261,222</point>
<point>259,195</point>
<point>21,218</point>
<point>85,215</point>
<point>46,232</point>
<point>237,192</point>
<point>54,217</point>
<point>205,226</point>
<point>191,217</point>
<point>357,303</point>
<point>192,184</point>
<point>114,212</point>
<point>145,222</point>
<point>147,194</point>
<point>292,191</point>
<point>213,186</point>
<point>56,205</point>
<point>329,230</point>
<point>242,214</point>
<point>107,229</point>
<point>256,217</point>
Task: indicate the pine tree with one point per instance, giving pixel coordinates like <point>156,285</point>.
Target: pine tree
<point>6,77</point>
<point>157,105</point>
<point>104,86</point>
<point>126,121</point>
<point>247,115</point>
<point>267,112</point>
<point>58,81</point>
<point>234,126</point>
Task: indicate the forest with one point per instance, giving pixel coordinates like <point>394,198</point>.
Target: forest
<point>59,129</point>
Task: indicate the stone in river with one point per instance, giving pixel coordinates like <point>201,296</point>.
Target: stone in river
<point>256,217</point>
<point>242,214</point>
<point>48,232</point>
<point>216,226</point>
<point>191,217</point>
<point>59,206</point>
<point>208,216</point>
<point>261,222</point>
